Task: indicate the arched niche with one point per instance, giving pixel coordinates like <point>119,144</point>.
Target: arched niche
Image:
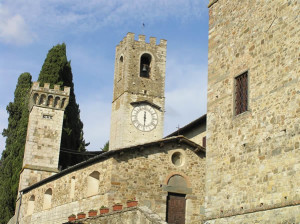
<point>30,207</point>
<point>50,101</point>
<point>35,98</point>
<point>145,65</point>
<point>72,189</point>
<point>56,102</point>
<point>63,101</point>
<point>42,99</point>
<point>93,183</point>
<point>47,199</point>
<point>177,184</point>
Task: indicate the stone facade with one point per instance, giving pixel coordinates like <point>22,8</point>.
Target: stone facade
<point>253,162</point>
<point>130,89</point>
<point>141,172</point>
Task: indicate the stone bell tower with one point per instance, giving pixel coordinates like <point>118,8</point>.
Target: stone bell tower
<point>138,98</point>
<point>44,130</point>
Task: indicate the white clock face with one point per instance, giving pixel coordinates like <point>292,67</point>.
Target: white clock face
<point>144,117</point>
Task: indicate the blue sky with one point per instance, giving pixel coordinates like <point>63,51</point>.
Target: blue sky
<point>91,30</point>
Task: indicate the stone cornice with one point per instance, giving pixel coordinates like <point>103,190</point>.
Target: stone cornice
<point>39,168</point>
<point>211,3</point>
<point>227,214</point>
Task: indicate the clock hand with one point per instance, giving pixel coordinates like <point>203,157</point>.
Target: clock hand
<point>144,117</point>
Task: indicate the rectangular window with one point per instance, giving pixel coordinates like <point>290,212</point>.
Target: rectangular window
<point>241,93</point>
<point>204,141</point>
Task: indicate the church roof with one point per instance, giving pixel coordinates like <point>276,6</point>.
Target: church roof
<point>189,126</point>
<point>103,156</point>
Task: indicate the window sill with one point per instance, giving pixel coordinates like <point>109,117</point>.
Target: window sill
<point>247,113</point>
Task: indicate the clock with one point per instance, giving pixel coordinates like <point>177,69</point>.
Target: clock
<point>144,117</point>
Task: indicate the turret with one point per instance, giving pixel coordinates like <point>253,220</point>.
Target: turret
<point>44,131</point>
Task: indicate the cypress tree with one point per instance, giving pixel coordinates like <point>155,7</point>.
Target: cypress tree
<point>12,156</point>
<point>57,70</point>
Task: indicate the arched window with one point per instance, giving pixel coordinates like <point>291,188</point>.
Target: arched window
<point>145,65</point>
<point>72,190</point>
<point>30,207</point>
<point>63,102</point>
<point>47,199</point>
<point>35,98</point>
<point>42,99</point>
<point>93,183</point>
<point>121,68</point>
<point>56,102</point>
<point>50,101</point>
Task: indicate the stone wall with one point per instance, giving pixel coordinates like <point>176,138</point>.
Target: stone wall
<point>253,159</point>
<point>141,173</point>
<point>137,215</point>
<point>63,203</point>
<point>288,215</point>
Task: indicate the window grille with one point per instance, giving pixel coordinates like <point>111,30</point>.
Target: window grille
<point>241,93</point>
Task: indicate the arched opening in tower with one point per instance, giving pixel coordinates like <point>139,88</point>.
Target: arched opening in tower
<point>145,65</point>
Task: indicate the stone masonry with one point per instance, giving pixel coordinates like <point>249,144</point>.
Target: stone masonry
<point>43,133</point>
<point>253,159</point>
<point>141,172</point>
<point>130,88</point>
<point>135,215</point>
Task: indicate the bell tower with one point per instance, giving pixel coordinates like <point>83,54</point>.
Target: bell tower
<point>138,98</point>
<point>44,130</point>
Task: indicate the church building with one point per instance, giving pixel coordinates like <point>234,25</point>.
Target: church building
<point>239,163</point>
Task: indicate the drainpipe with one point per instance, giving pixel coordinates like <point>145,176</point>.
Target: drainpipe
<point>20,198</point>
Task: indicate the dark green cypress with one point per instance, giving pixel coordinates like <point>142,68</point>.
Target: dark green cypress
<point>12,156</point>
<point>57,70</point>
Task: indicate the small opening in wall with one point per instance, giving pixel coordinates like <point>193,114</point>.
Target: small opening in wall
<point>241,93</point>
<point>145,65</point>
<point>177,159</point>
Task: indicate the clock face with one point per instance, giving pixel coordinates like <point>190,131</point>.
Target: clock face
<point>144,117</point>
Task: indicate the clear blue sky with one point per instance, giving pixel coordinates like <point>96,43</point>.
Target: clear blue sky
<point>91,30</point>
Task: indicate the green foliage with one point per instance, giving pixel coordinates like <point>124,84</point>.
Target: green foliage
<point>106,147</point>
<point>57,70</point>
<point>12,156</point>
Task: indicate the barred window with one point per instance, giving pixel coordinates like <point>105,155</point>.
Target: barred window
<point>241,93</point>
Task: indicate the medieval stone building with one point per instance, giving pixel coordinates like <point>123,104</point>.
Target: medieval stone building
<point>240,163</point>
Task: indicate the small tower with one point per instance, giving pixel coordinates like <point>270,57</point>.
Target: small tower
<point>138,98</point>
<point>44,130</point>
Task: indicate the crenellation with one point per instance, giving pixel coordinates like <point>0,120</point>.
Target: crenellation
<point>163,43</point>
<point>46,97</point>
<point>56,87</point>
<point>142,38</point>
<point>152,41</point>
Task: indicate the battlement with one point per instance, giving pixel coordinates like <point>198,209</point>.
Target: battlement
<point>130,38</point>
<point>46,97</point>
